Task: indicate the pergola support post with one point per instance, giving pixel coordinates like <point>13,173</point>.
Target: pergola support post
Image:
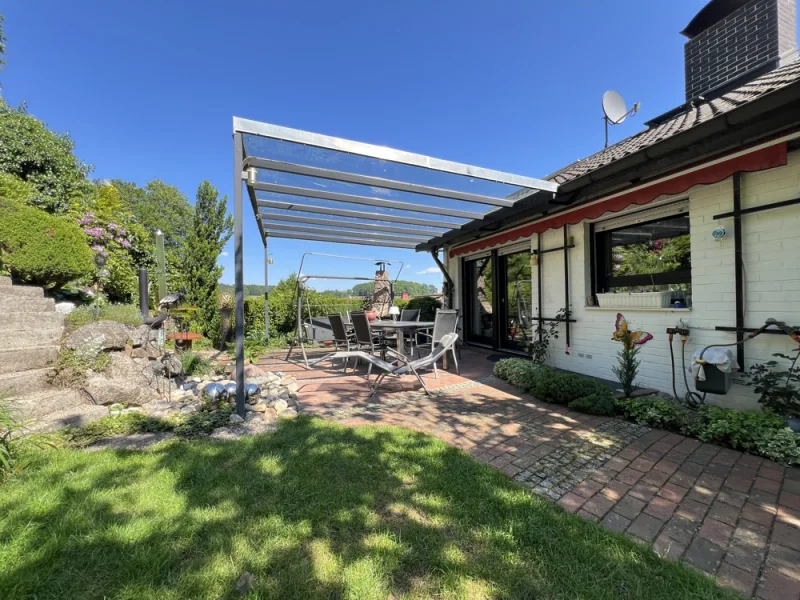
<point>450,285</point>
<point>266,289</point>
<point>238,228</point>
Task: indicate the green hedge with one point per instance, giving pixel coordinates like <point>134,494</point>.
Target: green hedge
<point>427,307</point>
<point>758,432</point>
<point>41,249</point>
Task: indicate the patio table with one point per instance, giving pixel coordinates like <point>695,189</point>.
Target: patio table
<point>402,328</point>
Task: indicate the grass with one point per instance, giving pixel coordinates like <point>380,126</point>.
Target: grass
<point>128,314</point>
<point>315,510</point>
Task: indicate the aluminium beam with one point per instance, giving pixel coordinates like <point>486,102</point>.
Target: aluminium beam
<point>291,190</point>
<point>357,214</point>
<point>340,240</point>
<point>418,231</point>
<point>368,180</point>
<point>318,140</point>
<point>268,226</point>
<point>238,253</point>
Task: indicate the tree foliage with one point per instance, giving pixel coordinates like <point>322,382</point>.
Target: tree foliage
<point>158,206</point>
<point>33,153</point>
<point>211,229</point>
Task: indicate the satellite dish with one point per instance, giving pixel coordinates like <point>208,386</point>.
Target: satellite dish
<point>614,107</point>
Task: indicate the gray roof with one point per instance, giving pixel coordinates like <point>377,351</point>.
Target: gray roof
<point>682,120</point>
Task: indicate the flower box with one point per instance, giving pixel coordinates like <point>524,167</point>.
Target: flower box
<point>635,300</point>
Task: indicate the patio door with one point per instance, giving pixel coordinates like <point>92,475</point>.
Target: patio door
<point>515,306</point>
<point>479,292</point>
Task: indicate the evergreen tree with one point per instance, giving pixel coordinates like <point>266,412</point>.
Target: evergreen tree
<point>628,365</point>
<point>210,231</point>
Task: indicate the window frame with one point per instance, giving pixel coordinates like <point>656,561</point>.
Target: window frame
<point>601,250</point>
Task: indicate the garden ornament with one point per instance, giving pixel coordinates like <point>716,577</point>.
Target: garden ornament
<point>215,392</point>
<point>637,337</point>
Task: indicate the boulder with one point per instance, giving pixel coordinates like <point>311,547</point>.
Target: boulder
<point>171,365</point>
<point>251,371</point>
<point>260,407</point>
<point>280,405</point>
<point>64,308</point>
<point>125,381</point>
<point>142,335</point>
<point>99,336</point>
<point>235,419</point>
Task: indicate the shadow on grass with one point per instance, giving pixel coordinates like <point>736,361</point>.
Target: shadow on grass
<point>313,511</point>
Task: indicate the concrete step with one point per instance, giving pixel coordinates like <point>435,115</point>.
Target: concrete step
<point>22,291</point>
<point>26,339</point>
<point>17,304</point>
<point>27,321</point>
<point>77,416</point>
<point>43,403</point>
<point>5,281</point>
<point>24,383</point>
<point>15,360</point>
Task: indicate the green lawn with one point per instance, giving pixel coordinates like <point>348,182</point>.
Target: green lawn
<point>313,511</point>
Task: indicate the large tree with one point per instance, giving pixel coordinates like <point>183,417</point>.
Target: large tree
<point>30,151</point>
<point>211,229</point>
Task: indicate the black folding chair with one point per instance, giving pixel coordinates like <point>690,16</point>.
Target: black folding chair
<point>365,338</point>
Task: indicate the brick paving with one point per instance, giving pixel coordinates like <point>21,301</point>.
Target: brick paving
<point>725,513</point>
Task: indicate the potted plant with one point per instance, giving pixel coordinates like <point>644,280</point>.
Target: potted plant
<point>367,307</point>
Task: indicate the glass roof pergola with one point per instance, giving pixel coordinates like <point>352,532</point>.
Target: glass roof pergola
<point>315,187</point>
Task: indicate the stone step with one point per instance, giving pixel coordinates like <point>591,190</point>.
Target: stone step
<point>27,321</point>
<point>14,360</point>
<point>17,304</point>
<point>26,339</point>
<point>24,383</point>
<point>5,281</point>
<point>77,416</point>
<point>23,291</point>
<point>41,404</point>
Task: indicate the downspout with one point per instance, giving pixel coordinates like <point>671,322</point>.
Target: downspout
<point>449,285</point>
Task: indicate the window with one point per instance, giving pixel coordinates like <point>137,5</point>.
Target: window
<point>645,252</point>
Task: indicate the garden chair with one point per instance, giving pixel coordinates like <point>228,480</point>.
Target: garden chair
<point>341,339</point>
<point>365,339</point>
<point>445,323</point>
<point>402,365</point>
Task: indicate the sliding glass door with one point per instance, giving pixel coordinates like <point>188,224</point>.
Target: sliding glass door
<point>478,295</point>
<point>515,305</point>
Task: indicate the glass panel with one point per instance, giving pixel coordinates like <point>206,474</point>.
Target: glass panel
<point>656,247</point>
<point>479,278</point>
<point>519,312</point>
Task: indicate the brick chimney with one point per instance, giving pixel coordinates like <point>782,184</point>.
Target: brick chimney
<point>734,41</point>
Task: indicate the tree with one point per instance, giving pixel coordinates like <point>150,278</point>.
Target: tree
<point>211,229</point>
<point>627,363</point>
<point>159,206</point>
<point>2,44</point>
<point>33,153</point>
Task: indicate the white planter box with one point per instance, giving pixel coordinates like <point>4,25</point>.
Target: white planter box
<point>635,300</point>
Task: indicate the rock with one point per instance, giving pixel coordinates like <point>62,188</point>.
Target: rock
<point>248,408</point>
<point>260,407</point>
<point>270,414</point>
<point>125,381</point>
<point>171,365</point>
<point>280,406</point>
<point>287,380</point>
<point>284,395</point>
<point>99,336</point>
<point>217,378</point>
<point>251,371</point>
<point>64,308</point>
<point>254,416</point>
<point>188,386</point>
<point>246,583</point>
<point>142,352</point>
<point>293,387</point>
<point>235,419</point>
<point>289,413</point>
<point>264,393</point>
<point>195,380</point>
<point>188,409</point>
<point>143,336</point>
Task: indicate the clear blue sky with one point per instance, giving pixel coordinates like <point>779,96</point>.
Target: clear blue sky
<point>148,89</point>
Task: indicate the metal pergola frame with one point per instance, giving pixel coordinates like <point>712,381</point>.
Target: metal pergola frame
<point>324,215</point>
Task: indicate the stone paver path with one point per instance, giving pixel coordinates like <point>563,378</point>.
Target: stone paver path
<point>726,513</point>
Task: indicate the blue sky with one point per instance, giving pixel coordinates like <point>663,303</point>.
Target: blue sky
<point>148,89</point>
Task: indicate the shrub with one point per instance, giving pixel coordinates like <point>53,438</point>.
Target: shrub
<point>599,403</point>
<point>71,367</point>
<point>16,190</point>
<point>563,388</point>
<point>652,412</point>
<point>782,445</point>
<point>42,249</point>
<point>736,428</point>
<point>427,307</point>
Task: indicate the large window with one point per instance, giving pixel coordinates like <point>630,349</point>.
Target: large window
<point>648,253</point>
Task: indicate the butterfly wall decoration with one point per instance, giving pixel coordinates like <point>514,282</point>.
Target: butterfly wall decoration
<point>637,337</point>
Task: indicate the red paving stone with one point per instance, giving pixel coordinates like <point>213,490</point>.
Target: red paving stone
<point>726,513</point>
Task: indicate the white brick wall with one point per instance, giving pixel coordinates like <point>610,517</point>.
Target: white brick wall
<point>771,253</point>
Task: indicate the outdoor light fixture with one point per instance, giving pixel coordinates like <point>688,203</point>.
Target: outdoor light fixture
<point>394,311</point>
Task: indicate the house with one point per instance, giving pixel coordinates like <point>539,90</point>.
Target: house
<point>693,222</point>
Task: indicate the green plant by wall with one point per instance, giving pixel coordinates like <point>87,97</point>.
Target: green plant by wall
<point>127,314</point>
<point>41,249</point>
<point>541,344</point>
<point>8,425</point>
<point>778,390</point>
<point>598,403</point>
<point>193,364</point>
<point>71,368</point>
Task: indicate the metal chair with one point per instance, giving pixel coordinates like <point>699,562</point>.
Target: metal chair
<point>445,323</point>
<point>402,366</point>
<point>407,314</point>
<point>365,339</point>
<point>341,339</point>
<point>410,314</point>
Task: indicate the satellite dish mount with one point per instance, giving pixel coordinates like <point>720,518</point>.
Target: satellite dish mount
<point>615,111</point>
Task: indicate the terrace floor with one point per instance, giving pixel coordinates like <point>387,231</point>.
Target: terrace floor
<point>723,512</point>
